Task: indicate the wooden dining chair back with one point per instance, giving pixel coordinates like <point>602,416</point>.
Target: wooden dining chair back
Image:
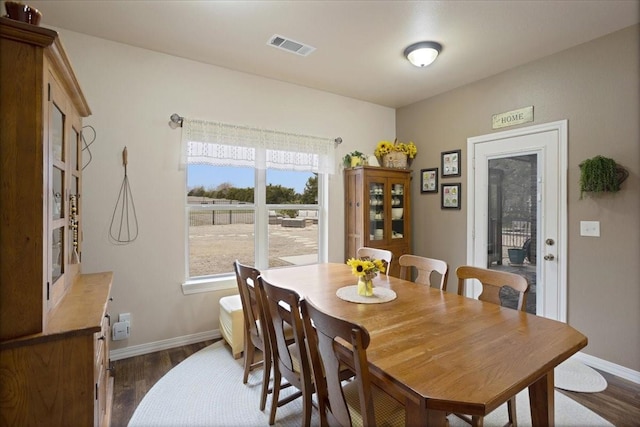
<point>254,332</point>
<point>424,268</point>
<point>374,253</point>
<point>492,283</point>
<point>290,359</point>
<point>354,402</point>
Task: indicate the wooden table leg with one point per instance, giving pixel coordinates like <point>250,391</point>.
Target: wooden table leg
<point>541,397</point>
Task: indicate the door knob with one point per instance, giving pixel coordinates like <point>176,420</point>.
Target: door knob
<point>549,257</point>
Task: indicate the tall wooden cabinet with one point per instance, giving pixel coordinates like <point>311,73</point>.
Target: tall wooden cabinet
<point>54,326</point>
<point>378,211</point>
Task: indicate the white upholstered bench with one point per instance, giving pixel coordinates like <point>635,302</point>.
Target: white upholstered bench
<point>232,323</point>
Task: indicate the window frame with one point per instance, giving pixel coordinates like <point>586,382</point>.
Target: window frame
<point>225,281</point>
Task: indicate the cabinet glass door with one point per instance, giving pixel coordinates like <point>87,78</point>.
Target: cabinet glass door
<point>398,222</point>
<point>57,133</point>
<point>57,201</point>
<point>57,261</point>
<point>376,211</point>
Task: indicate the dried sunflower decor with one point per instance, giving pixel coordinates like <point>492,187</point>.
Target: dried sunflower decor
<point>395,154</point>
<point>365,269</point>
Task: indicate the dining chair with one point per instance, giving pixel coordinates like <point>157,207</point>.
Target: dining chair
<point>345,403</point>
<point>374,253</point>
<point>254,333</point>
<point>424,268</point>
<point>290,360</point>
<point>492,283</point>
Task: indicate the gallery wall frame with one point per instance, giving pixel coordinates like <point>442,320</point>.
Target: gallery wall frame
<point>450,163</point>
<point>429,180</point>
<point>450,196</point>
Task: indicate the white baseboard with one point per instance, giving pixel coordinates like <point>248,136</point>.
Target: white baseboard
<point>138,350</point>
<point>608,367</point>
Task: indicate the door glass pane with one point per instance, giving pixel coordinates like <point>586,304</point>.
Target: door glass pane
<point>512,222</point>
<point>57,133</point>
<point>58,201</point>
<point>57,262</point>
<point>376,211</point>
<point>397,211</point>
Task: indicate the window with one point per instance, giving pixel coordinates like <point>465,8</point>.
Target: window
<point>257,204</point>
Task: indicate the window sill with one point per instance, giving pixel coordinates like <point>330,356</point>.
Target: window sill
<point>196,286</point>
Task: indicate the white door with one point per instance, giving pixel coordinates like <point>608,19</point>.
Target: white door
<point>517,195</point>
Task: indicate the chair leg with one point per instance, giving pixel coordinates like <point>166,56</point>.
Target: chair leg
<point>276,393</point>
<point>249,350</point>
<point>266,376</point>
<point>511,407</point>
<point>307,407</point>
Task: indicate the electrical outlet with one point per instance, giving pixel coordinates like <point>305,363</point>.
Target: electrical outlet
<point>590,228</point>
<point>120,331</point>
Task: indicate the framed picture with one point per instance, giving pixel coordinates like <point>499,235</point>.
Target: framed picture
<point>451,163</point>
<point>451,195</point>
<point>429,180</point>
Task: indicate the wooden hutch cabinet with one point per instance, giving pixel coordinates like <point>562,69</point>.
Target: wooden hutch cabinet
<point>378,211</point>
<point>54,326</point>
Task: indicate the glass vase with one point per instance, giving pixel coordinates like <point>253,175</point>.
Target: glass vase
<point>365,287</point>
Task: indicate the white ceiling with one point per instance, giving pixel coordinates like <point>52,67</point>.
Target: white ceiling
<point>359,44</point>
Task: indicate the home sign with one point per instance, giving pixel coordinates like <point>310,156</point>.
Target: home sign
<point>511,118</point>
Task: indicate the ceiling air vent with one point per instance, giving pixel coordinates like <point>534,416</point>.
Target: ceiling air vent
<point>290,45</point>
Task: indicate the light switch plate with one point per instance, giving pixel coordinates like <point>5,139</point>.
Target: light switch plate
<point>590,228</point>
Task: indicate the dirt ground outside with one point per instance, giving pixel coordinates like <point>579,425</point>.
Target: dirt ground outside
<point>214,248</point>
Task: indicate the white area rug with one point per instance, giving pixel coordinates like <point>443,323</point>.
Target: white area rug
<point>206,390</point>
<point>573,375</point>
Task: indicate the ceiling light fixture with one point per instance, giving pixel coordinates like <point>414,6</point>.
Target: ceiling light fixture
<point>422,54</point>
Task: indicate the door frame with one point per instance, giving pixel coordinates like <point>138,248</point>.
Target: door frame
<point>561,129</point>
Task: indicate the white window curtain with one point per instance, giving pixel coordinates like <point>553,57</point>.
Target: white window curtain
<point>221,144</point>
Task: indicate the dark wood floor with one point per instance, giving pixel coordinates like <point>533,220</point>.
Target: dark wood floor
<point>619,403</point>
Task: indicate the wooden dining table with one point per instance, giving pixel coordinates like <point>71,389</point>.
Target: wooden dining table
<point>438,352</point>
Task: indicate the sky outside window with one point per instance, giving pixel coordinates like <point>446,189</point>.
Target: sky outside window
<point>211,177</point>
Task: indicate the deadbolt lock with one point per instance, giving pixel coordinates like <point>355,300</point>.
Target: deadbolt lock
<point>550,242</point>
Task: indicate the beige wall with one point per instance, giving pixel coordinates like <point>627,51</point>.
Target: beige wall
<point>132,92</point>
<point>595,86</point>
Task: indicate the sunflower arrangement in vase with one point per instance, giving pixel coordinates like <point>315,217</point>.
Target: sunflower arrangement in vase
<point>395,154</point>
<point>365,269</point>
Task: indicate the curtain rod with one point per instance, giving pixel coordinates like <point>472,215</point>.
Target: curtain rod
<point>175,121</point>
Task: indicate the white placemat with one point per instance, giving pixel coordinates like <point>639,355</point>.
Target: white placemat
<point>350,293</point>
<point>573,375</point>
